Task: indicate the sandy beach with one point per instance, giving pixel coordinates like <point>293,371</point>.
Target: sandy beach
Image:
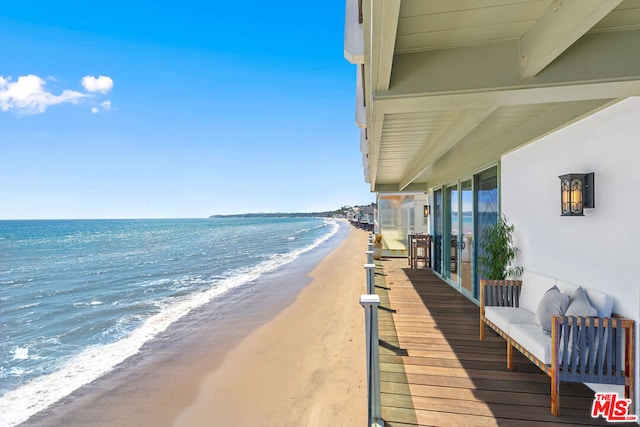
<point>302,365</point>
<point>305,367</point>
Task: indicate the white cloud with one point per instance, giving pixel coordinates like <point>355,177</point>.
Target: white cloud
<point>28,96</point>
<point>101,84</point>
<point>105,106</point>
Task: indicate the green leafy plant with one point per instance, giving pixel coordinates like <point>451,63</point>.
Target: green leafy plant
<point>497,252</point>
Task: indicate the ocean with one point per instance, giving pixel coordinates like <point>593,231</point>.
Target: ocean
<point>78,297</point>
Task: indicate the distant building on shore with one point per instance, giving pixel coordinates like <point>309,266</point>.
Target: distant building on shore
<point>362,217</point>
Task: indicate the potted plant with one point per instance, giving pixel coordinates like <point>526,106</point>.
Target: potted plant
<point>377,247</point>
<point>497,252</point>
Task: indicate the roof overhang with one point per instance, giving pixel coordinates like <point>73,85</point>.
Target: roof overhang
<point>450,87</point>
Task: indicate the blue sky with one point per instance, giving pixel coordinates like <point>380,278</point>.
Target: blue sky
<point>134,110</point>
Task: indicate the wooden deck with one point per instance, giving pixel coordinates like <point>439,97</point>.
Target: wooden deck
<point>436,372</point>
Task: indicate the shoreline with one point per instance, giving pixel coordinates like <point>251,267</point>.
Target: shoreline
<point>309,368</point>
<point>157,385</point>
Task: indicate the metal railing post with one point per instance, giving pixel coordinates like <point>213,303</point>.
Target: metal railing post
<point>369,251</point>
<point>371,304</point>
<point>369,257</point>
<point>370,269</point>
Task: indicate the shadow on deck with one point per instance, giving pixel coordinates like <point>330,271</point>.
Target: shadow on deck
<point>434,370</point>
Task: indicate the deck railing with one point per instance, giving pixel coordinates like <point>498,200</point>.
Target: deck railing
<point>371,302</point>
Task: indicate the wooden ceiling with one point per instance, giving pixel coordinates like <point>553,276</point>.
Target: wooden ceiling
<point>450,86</point>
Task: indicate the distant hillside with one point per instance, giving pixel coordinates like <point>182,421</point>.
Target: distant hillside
<point>341,212</point>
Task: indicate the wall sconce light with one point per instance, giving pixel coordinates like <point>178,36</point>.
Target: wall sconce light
<point>577,193</point>
<point>426,210</point>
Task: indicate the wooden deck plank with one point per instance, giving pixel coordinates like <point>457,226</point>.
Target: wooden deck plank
<point>480,408</point>
<point>486,363</point>
<point>435,371</point>
<point>513,397</point>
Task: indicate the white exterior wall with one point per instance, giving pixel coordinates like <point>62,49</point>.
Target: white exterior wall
<point>353,34</point>
<point>422,223</point>
<point>602,249</point>
<point>361,111</point>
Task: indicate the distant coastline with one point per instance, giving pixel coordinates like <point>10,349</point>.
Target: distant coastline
<point>350,212</point>
<point>328,214</point>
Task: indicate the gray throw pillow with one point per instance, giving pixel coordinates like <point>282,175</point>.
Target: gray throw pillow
<point>580,306</point>
<point>553,303</point>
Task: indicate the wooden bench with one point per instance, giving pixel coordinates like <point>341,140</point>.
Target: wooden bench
<point>593,349</point>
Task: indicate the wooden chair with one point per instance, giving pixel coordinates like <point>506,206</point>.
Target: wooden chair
<point>421,251</point>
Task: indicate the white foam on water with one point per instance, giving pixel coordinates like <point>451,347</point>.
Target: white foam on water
<point>30,305</point>
<point>20,353</point>
<point>18,405</point>
<point>87,304</point>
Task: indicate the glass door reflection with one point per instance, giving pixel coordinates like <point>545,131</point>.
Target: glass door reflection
<point>465,238</point>
<point>453,233</point>
<point>437,231</point>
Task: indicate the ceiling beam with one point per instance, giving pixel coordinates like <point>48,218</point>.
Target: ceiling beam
<point>595,58</point>
<point>393,188</point>
<point>461,126</point>
<point>385,16</point>
<point>561,25</point>
<point>375,136</point>
<point>385,103</point>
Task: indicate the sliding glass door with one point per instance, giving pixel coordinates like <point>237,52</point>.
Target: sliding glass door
<point>486,207</point>
<point>452,231</point>
<point>462,211</point>
<point>437,231</point>
<point>465,237</point>
<point>459,231</point>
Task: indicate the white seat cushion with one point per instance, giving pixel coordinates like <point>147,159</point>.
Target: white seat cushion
<point>602,302</point>
<point>538,343</point>
<point>533,339</point>
<point>502,317</point>
<point>566,287</point>
<point>534,286</point>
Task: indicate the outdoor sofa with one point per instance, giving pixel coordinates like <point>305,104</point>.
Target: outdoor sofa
<point>567,331</point>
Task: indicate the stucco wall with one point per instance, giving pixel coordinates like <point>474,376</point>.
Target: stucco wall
<point>602,249</point>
